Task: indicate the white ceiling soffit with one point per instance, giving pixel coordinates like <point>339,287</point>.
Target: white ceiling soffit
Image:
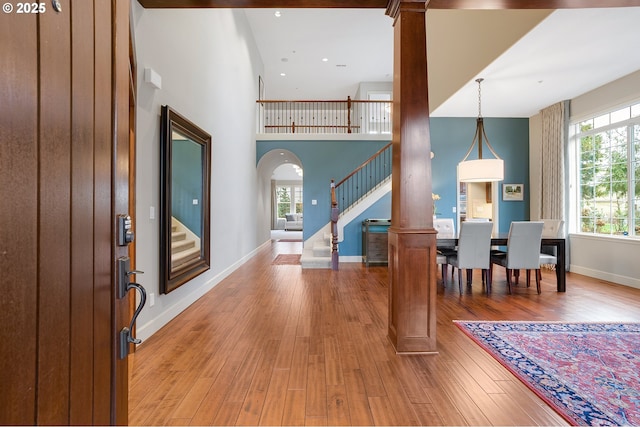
<point>461,43</point>
<point>569,53</point>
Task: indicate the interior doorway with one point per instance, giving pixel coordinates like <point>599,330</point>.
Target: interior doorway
<point>478,201</point>
<point>280,172</point>
<point>287,196</point>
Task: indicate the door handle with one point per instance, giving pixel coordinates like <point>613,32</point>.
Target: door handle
<point>124,286</point>
<point>126,336</point>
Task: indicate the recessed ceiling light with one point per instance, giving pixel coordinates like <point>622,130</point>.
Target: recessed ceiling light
<point>282,74</point>
<point>277,14</point>
<point>325,59</point>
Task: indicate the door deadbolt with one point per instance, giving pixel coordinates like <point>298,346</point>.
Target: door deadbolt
<point>125,232</point>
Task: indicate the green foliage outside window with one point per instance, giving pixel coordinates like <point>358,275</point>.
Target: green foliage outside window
<point>284,201</point>
<point>606,204</point>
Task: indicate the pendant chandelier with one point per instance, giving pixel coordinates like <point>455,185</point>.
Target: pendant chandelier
<point>480,170</point>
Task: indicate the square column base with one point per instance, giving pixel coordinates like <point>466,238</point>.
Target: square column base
<point>412,290</point>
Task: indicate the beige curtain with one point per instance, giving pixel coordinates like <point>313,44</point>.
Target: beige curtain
<point>552,162</point>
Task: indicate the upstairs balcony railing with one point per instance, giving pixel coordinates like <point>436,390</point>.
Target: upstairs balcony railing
<point>324,117</point>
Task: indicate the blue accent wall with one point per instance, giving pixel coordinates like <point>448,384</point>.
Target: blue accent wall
<point>322,161</point>
<point>186,184</point>
<point>352,244</point>
<point>450,140</point>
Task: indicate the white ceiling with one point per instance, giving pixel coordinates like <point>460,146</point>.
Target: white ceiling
<point>286,172</point>
<point>567,54</point>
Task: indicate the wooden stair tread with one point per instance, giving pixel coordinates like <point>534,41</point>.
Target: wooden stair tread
<point>183,257</point>
<point>181,245</point>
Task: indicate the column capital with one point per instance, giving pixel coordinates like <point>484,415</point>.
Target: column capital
<point>394,7</point>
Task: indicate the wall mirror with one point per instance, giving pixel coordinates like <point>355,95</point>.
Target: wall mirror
<point>185,174</point>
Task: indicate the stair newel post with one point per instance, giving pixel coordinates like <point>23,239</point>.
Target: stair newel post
<point>334,227</point>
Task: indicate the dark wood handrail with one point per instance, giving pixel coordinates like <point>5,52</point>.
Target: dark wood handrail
<point>366,162</point>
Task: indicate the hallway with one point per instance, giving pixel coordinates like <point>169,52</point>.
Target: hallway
<point>278,345</point>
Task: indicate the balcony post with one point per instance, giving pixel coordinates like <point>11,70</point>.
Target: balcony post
<point>412,239</point>
<point>348,114</point>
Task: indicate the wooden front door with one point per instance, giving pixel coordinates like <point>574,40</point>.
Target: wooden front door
<point>63,178</point>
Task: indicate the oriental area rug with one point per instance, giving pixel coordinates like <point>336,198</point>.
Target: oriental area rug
<point>286,259</point>
<point>588,372</point>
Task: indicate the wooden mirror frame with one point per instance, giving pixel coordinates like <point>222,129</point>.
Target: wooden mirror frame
<point>171,122</point>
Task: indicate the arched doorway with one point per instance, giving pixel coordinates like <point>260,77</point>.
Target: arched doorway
<point>279,174</point>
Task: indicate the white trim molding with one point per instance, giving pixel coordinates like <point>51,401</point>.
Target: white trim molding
<point>610,258</point>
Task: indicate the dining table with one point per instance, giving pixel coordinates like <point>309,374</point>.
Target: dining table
<point>501,239</point>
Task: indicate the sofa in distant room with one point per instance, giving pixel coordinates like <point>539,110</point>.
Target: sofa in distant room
<point>293,222</point>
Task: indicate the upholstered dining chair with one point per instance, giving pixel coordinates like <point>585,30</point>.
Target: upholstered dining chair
<point>523,250</point>
<point>548,254</point>
<point>441,260</point>
<point>446,229</point>
<point>474,245</point>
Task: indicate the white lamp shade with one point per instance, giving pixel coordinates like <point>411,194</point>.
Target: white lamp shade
<point>481,170</point>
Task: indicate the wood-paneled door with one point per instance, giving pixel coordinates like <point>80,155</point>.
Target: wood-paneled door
<point>64,144</point>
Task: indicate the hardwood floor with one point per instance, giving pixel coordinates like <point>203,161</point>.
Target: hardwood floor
<point>276,345</point>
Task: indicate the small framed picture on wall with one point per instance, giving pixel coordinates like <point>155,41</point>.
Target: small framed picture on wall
<point>512,192</point>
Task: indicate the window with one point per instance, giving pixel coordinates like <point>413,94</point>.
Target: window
<point>289,199</point>
<point>608,172</point>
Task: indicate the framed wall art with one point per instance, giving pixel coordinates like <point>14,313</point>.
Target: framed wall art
<point>512,192</point>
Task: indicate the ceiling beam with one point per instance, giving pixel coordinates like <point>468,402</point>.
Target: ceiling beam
<point>300,4</point>
<point>528,4</point>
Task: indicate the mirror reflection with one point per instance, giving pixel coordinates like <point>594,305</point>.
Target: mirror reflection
<point>184,222</point>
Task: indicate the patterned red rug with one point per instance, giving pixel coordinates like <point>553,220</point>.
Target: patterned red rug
<point>588,372</point>
<point>286,259</point>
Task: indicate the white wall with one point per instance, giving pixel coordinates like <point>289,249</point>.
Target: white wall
<point>365,87</point>
<point>617,93</point>
<point>608,258</point>
<point>209,66</point>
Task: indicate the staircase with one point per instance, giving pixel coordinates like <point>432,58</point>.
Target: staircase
<point>316,252</point>
<point>353,195</point>
<point>185,246</point>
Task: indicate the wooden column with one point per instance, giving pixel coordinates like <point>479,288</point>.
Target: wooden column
<point>412,239</point>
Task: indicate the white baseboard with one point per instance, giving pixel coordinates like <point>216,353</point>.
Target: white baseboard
<point>604,275</point>
<point>351,258</point>
<point>148,329</point>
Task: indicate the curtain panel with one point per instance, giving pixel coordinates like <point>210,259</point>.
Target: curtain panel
<point>552,178</point>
